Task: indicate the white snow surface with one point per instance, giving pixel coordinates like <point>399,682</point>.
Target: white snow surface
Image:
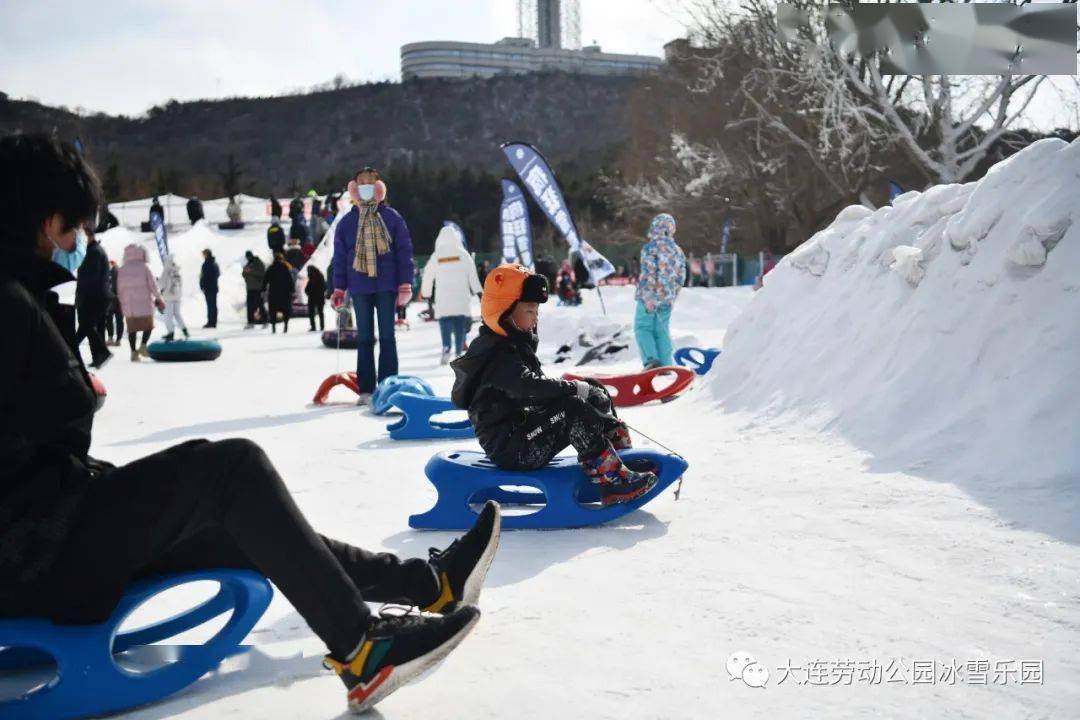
<point>883,468</point>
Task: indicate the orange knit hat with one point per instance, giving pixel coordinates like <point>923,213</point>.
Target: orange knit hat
<point>504,287</point>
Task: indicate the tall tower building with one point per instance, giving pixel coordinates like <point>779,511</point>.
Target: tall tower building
<point>549,24</point>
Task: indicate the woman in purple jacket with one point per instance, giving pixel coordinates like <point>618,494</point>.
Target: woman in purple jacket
<point>373,260</point>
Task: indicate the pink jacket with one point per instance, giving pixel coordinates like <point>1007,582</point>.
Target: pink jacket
<point>135,284</point>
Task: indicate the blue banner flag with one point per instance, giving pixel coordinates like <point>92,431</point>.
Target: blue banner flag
<point>894,190</point>
<point>516,234</point>
<point>540,181</point>
<point>157,222</point>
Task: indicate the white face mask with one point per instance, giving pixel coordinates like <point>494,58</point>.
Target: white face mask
<point>366,192</point>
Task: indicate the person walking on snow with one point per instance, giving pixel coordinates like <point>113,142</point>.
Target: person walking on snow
<point>254,273</point>
<point>316,296</point>
<point>279,291</point>
<point>208,283</point>
<point>662,274</point>
<point>451,274</point>
<point>373,261</point>
<point>76,531</point>
<point>92,295</point>
<point>139,295</point>
<point>114,319</point>
<point>172,290</point>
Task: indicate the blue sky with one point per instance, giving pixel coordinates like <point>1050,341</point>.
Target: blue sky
<point>124,56</point>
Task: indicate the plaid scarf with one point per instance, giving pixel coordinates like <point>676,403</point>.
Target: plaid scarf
<point>372,238</point>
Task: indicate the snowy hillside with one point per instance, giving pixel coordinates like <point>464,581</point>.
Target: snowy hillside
<point>942,335</point>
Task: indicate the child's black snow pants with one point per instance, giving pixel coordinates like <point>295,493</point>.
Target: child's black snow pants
<point>203,505</point>
<point>541,432</point>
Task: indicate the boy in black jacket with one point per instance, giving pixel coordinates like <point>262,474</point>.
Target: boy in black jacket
<point>523,418</point>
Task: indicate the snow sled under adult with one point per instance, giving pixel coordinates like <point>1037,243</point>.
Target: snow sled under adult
<point>700,360</point>
<point>348,339</point>
<point>638,388</point>
<point>417,423</point>
<point>84,661</point>
<point>184,350</point>
<point>564,497</point>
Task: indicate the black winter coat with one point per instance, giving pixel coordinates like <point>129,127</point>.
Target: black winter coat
<point>93,287</point>
<point>279,286</point>
<point>316,287</point>
<point>497,379</point>
<point>208,276</point>
<point>46,412</point>
<point>275,207</point>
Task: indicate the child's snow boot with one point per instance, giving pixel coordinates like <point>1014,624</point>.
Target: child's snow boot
<point>135,356</point>
<point>144,351</point>
<point>168,337</point>
<point>445,359</point>
<point>618,483</point>
<point>396,649</point>
<point>620,438</point>
<point>187,336</point>
<point>463,565</point>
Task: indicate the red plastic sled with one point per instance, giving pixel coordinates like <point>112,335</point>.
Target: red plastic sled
<point>348,379</point>
<point>637,388</point>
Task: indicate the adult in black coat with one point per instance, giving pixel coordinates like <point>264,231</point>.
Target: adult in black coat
<point>93,292</point>
<point>279,291</point>
<point>208,283</point>
<point>275,208</point>
<point>296,209</point>
<point>316,296</point>
<point>155,207</point>
<point>194,210</point>
<point>298,230</point>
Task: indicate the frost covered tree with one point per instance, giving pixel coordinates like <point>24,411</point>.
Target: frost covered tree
<point>945,124</point>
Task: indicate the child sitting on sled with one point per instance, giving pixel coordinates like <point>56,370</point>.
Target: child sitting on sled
<point>523,418</point>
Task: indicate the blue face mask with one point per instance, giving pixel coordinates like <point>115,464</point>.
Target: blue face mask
<point>367,192</point>
<point>71,261</point>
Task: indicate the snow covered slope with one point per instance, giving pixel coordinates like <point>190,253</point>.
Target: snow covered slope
<point>941,334</point>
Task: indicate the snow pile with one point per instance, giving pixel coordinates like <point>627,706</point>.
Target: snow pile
<point>942,334</point>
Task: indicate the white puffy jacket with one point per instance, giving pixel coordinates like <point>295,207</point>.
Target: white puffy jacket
<point>452,274</point>
<point>172,287</point>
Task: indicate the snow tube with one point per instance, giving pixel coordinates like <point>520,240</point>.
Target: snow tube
<point>638,388</point>
<point>231,226</point>
<point>299,310</point>
<point>382,399</point>
<point>348,339</point>
<point>184,350</point>
<point>99,390</point>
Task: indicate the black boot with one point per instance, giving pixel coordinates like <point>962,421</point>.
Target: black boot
<point>463,565</point>
<point>395,650</point>
<point>186,335</point>
<point>168,337</point>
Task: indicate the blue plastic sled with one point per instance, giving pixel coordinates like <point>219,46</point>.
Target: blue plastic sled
<point>687,357</point>
<point>381,399</point>
<point>416,423</point>
<point>566,498</point>
<point>90,682</point>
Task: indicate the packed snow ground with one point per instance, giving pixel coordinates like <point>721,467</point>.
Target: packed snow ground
<point>798,542</point>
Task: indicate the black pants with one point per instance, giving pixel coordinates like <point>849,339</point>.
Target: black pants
<point>314,311</point>
<point>114,322</point>
<point>204,505</point>
<point>255,303</point>
<point>92,327</point>
<point>133,335</point>
<point>211,307</point>
<point>285,313</point>
<point>540,433</point>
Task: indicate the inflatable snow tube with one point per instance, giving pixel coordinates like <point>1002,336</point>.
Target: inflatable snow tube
<point>184,350</point>
<point>298,310</point>
<point>99,390</point>
<point>348,339</point>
